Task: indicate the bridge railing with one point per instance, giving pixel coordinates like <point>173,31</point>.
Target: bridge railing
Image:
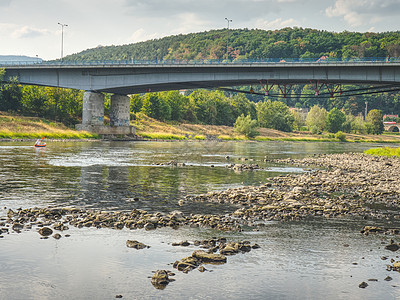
<point>321,60</point>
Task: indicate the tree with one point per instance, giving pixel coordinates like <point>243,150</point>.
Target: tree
<point>33,100</point>
<point>358,125</point>
<point>316,119</point>
<point>11,95</point>
<point>2,72</point>
<point>242,105</point>
<point>136,103</point>
<point>245,125</point>
<point>63,105</point>
<point>155,107</point>
<point>375,122</point>
<point>275,115</point>
<point>176,101</point>
<point>335,120</point>
<point>298,120</point>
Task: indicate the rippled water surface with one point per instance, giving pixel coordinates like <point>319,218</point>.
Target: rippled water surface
<point>302,260</point>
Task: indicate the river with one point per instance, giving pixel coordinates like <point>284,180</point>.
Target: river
<point>297,260</point>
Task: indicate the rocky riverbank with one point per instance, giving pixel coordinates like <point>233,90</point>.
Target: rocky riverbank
<point>347,185</point>
<point>350,185</point>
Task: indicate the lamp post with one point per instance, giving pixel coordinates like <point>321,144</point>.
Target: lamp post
<point>62,38</point>
<point>227,39</point>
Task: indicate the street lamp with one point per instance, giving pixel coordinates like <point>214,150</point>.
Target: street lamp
<point>62,38</point>
<point>227,39</point>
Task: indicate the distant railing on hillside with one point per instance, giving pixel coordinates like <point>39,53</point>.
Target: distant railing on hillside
<point>322,60</point>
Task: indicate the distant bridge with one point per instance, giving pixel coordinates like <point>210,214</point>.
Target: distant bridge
<point>392,127</point>
<point>131,77</point>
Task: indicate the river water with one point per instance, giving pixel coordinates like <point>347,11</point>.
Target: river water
<point>297,260</point>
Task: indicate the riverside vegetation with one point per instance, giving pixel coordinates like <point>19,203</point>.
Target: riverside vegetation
<point>18,127</point>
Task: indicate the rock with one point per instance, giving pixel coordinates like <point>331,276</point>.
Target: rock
<point>392,247</point>
<point>17,226</point>
<point>45,231</point>
<point>187,263</point>
<point>60,226</point>
<point>209,257</point>
<point>57,236</point>
<point>388,278</point>
<point>149,226</point>
<point>118,296</point>
<point>372,229</point>
<point>230,249</point>
<point>135,244</point>
<point>160,279</point>
<point>396,266</point>
<point>202,269</point>
<point>363,285</point>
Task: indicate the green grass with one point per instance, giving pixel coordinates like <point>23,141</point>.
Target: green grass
<point>231,138</point>
<point>200,137</point>
<point>47,135</point>
<point>163,136</point>
<point>295,139</point>
<point>385,151</point>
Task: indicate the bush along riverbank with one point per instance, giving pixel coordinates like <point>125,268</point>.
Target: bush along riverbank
<point>14,127</point>
<point>385,151</point>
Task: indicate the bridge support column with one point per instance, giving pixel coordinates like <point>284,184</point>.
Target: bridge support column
<point>93,109</point>
<point>93,115</point>
<point>120,110</point>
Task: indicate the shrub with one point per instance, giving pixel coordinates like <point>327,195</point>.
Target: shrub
<point>247,126</point>
<point>341,136</point>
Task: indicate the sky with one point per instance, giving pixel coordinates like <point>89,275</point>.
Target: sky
<point>30,27</point>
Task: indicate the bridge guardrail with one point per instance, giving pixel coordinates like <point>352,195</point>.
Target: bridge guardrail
<point>322,60</point>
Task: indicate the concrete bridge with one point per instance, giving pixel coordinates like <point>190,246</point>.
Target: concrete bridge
<point>392,127</point>
<point>126,78</point>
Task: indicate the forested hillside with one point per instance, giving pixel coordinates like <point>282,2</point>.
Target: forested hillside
<point>253,44</point>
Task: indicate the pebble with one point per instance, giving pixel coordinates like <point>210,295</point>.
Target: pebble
<point>363,285</point>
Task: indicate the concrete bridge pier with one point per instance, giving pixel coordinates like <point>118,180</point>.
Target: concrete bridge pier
<point>93,109</point>
<point>120,110</point>
<point>93,115</point>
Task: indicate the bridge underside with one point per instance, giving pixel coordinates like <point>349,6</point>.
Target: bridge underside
<point>133,79</point>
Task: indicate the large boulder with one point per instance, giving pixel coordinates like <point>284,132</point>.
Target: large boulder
<point>45,231</point>
<point>161,278</point>
<point>209,257</point>
<point>135,244</point>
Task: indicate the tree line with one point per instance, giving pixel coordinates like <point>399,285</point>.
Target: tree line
<point>252,44</point>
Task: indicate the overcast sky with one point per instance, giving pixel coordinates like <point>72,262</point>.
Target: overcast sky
<point>30,27</point>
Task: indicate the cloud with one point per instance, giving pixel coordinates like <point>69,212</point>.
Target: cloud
<point>5,2</point>
<point>141,35</point>
<point>361,12</point>
<point>29,32</point>
<point>205,9</point>
<point>276,24</point>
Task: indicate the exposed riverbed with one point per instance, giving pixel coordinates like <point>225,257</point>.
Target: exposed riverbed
<point>318,249</point>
